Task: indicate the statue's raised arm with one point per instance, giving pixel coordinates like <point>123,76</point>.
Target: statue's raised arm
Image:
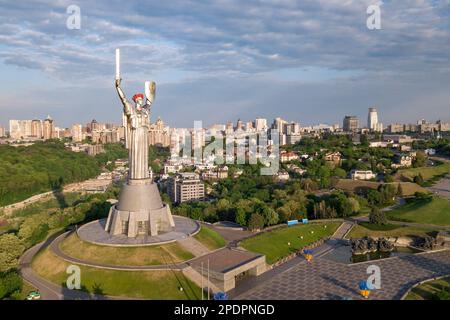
<point>126,104</point>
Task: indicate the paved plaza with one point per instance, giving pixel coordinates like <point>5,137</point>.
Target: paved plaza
<point>325,279</point>
<point>94,232</point>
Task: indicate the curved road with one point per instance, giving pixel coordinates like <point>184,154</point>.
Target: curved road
<point>49,290</point>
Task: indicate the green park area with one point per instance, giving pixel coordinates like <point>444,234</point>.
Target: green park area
<point>408,188</point>
<point>274,244</point>
<point>210,238</point>
<point>432,210</point>
<point>427,173</point>
<point>124,256</point>
<point>431,290</point>
<point>155,284</point>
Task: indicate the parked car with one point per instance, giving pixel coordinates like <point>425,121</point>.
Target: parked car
<point>34,295</point>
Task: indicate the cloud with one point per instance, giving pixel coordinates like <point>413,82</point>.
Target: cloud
<point>199,43</point>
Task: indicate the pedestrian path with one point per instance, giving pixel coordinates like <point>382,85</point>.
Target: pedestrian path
<point>343,229</point>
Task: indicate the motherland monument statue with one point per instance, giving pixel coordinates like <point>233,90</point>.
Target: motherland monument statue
<point>140,210</point>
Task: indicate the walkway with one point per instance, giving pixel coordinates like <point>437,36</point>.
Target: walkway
<point>442,187</point>
<point>194,246</point>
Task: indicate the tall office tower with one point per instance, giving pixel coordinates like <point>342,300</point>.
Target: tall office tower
<point>77,133</point>
<point>36,128</point>
<point>48,128</point>
<point>2,132</point>
<point>372,120</point>
<point>260,124</point>
<point>351,124</point>
<point>249,126</point>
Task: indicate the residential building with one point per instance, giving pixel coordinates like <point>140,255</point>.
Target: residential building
<point>350,124</point>
<point>77,133</point>
<point>48,128</point>
<point>185,187</point>
<point>159,134</point>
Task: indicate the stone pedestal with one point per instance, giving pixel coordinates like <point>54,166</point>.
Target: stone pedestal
<point>140,211</point>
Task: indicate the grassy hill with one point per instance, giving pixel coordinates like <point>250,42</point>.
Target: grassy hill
<point>435,211</point>
<point>409,188</point>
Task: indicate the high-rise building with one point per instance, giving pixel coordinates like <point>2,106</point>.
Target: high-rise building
<point>48,128</point>
<point>279,124</point>
<point>19,129</point>
<point>36,128</point>
<point>372,118</point>
<point>2,132</point>
<point>351,124</point>
<point>229,128</point>
<point>159,134</point>
<point>239,125</point>
<point>185,187</point>
<point>260,124</point>
<point>77,133</point>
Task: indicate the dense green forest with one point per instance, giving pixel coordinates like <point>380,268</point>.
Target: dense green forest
<point>32,224</point>
<point>45,166</point>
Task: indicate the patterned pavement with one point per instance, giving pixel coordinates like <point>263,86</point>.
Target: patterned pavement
<point>325,279</point>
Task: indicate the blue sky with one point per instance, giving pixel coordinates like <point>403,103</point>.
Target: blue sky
<point>308,61</point>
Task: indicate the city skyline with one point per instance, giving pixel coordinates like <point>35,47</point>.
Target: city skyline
<point>310,62</point>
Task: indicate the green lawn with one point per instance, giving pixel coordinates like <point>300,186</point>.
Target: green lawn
<point>161,285</point>
<point>210,238</point>
<point>427,173</point>
<point>436,211</point>
<point>390,230</point>
<point>431,290</point>
<point>274,244</point>
<point>124,256</point>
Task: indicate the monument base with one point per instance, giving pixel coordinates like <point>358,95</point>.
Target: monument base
<point>140,211</point>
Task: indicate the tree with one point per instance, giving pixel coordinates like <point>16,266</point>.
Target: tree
<point>420,160</point>
<point>10,282</point>
<point>256,222</point>
<point>270,216</point>
<point>241,217</point>
<point>339,172</point>
<point>377,217</point>
<point>10,250</point>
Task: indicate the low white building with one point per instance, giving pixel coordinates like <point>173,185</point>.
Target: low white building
<point>362,175</point>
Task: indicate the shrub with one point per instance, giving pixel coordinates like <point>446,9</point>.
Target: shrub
<point>377,217</point>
